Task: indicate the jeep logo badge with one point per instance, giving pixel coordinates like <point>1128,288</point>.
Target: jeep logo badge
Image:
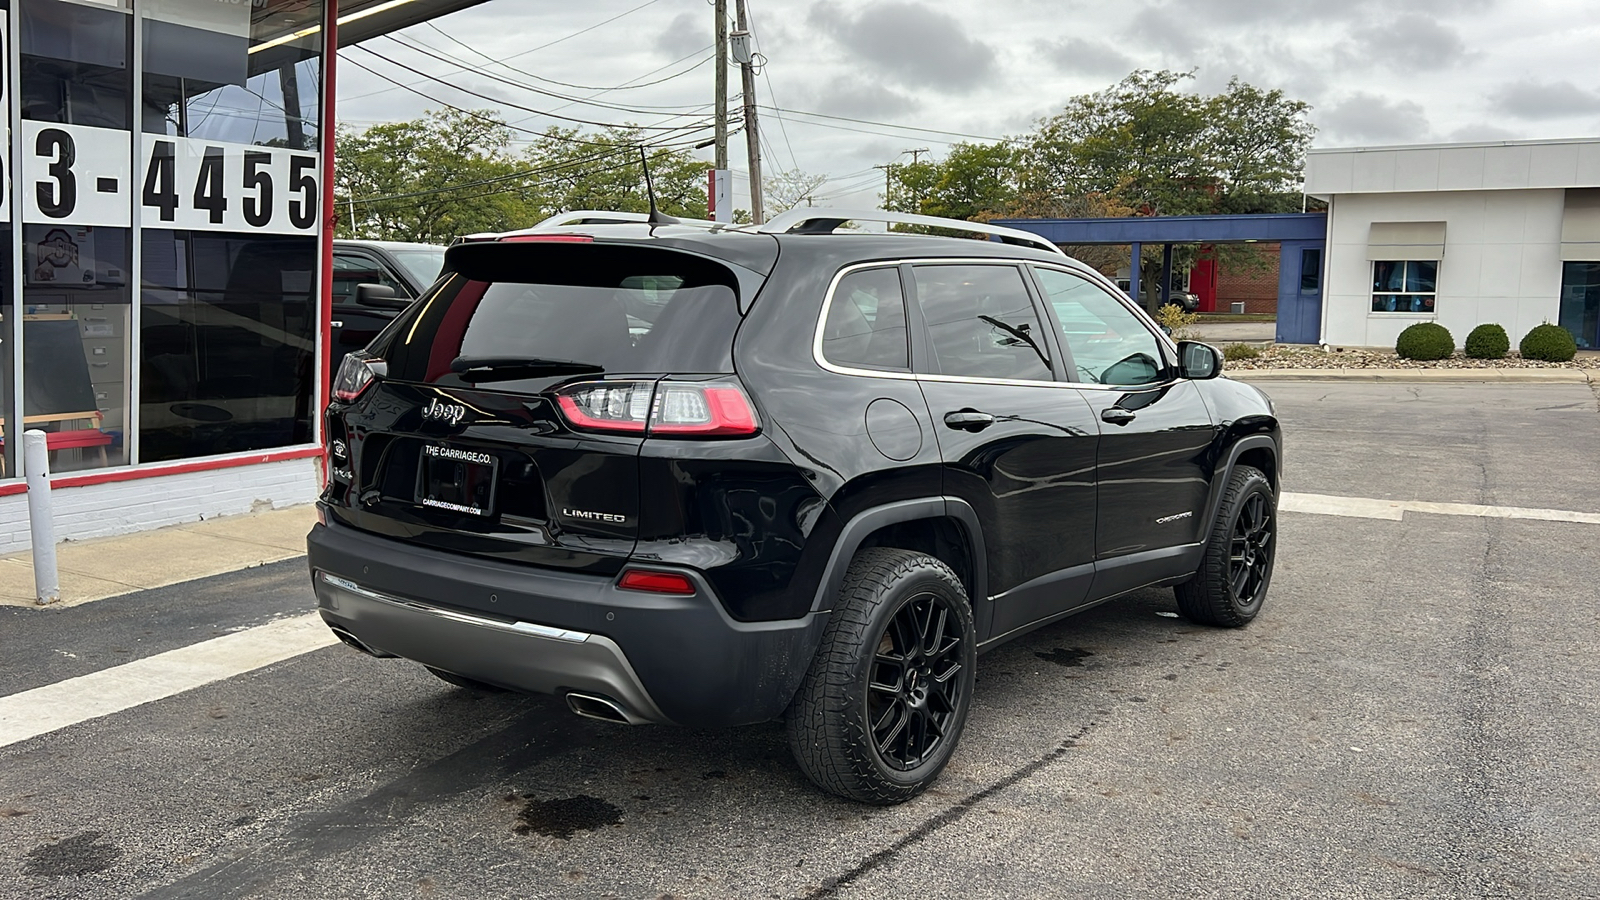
<point>451,413</point>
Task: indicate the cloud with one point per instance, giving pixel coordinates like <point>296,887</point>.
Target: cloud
<point>1549,100</point>
<point>1077,56</point>
<point>1482,131</point>
<point>863,99</point>
<point>686,34</point>
<point>1371,118</point>
<point>911,43</point>
<point>1408,43</point>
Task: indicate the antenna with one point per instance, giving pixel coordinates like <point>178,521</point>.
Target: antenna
<point>657,217</point>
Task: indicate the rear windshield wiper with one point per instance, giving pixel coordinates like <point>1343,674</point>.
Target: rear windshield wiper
<point>475,369</point>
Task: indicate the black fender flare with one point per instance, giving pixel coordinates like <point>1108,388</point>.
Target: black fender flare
<point>1219,482</point>
<point>866,522</point>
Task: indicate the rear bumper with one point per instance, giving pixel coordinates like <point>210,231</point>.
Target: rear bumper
<point>671,659</point>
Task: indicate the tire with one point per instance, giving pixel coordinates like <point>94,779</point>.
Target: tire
<point>1236,569</point>
<point>463,682</point>
<point>882,707</point>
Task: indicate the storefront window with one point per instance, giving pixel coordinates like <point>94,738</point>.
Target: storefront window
<point>1580,302</point>
<point>229,318</point>
<point>166,231</point>
<point>75,90</point>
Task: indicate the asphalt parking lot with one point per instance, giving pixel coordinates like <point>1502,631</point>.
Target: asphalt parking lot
<point>1414,714</point>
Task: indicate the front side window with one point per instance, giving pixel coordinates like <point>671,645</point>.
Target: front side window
<point>1404,286</point>
<point>351,269</point>
<point>866,324</point>
<point>981,323</point>
<point>1109,343</point>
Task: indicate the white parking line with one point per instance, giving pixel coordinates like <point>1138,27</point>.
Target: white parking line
<point>1393,510</point>
<point>55,706</point>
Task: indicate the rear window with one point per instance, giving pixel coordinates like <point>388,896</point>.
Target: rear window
<point>616,310</point>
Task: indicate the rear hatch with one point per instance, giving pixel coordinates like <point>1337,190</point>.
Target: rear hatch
<point>503,414</point>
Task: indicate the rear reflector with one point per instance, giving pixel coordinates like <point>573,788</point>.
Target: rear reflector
<point>655,582</point>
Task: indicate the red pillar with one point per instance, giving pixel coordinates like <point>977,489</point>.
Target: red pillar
<point>330,213</point>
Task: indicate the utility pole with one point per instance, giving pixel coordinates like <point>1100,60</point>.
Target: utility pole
<point>722,84</point>
<point>745,56</point>
<point>916,155</point>
<point>888,179</point>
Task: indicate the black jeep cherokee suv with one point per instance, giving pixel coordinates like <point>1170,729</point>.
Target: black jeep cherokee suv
<point>716,476</point>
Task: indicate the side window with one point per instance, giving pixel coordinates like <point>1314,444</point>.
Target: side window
<point>981,322</point>
<point>351,269</point>
<point>866,324</point>
<point>1109,343</point>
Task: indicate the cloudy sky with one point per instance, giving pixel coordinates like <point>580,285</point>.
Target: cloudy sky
<point>1401,71</point>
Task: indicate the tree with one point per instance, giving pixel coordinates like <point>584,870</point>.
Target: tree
<point>429,179</point>
<point>602,171</point>
<point>975,181</point>
<point>451,173</point>
<point>787,189</point>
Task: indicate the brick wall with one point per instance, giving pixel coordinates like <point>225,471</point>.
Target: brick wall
<point>1257,287</point>
<point>100,510</point>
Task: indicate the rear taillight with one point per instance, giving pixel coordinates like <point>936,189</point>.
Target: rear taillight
<point>355,374</point>
<point>669,408</point>
<point>655,582</point>
<point>619,406</point>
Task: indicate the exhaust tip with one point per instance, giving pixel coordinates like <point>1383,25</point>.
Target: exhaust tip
<point>354,642</point>
<point>591,706</point>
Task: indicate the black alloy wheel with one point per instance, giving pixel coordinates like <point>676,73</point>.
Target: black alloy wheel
<point>1236,569</point>
<point>1250,550</point>
<point>883,704</point>
<point>914,693</point>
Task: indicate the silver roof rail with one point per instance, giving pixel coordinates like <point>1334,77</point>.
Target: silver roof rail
<point>818,220</point>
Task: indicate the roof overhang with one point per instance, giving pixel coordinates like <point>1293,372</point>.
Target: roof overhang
<point>361,20</point>
<point>1177,229</point>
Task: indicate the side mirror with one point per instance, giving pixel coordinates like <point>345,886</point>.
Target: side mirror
<point>1197,361</point>
<point>381,296</point>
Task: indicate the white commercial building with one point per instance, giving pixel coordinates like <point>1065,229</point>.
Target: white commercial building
<point>1460,234</point>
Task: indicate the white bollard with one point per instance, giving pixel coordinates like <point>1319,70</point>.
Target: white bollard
<point>41,516</point>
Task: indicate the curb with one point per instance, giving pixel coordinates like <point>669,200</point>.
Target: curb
<point>1436,376</point>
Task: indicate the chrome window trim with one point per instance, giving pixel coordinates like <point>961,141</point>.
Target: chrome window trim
<point>827,304</point>
<point>833,285</point>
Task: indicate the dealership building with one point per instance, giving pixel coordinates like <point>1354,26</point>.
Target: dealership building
<point>1460,234</point>
<point>167,213</point>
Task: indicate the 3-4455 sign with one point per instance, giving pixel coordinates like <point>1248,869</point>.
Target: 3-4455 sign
<point>81,175</point>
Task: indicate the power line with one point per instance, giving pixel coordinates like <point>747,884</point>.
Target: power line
<point>496,100</point>
<point>525,52</point>
<point>546,135</point>
<point>962,134</point>
<point>428,51</point>
<point>625,86</point>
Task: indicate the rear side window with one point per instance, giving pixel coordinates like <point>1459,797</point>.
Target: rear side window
<point>866,324</point>
<point>981,323</point>
<point>606,310</point>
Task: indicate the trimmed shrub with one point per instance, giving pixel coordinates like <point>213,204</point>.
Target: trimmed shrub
<point>1551,343</point>
<point>1425,340</point>
<point>1488,341</point>
<point>1234,352</point>
<point>1177,322</point>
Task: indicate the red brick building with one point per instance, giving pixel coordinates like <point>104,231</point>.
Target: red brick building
<point>1219,285</point>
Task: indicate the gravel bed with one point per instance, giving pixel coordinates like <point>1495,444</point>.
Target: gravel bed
<point>1308,358</point>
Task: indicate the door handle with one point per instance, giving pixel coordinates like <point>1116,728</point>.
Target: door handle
<point>968,420</point>
<point>1116,415</point>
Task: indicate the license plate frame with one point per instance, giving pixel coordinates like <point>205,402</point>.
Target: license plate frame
<point>450,478</point>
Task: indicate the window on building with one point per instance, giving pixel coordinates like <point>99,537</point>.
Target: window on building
<point>981,323</point>
<point>1404,286</point>
<point>1108,342</point>
<point>866,324</point>
<point>1580,302</point>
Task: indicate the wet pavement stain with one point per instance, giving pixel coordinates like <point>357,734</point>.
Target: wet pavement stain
<point>1064,657</point>
<point>565,817</point>
<point>81,854</point>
